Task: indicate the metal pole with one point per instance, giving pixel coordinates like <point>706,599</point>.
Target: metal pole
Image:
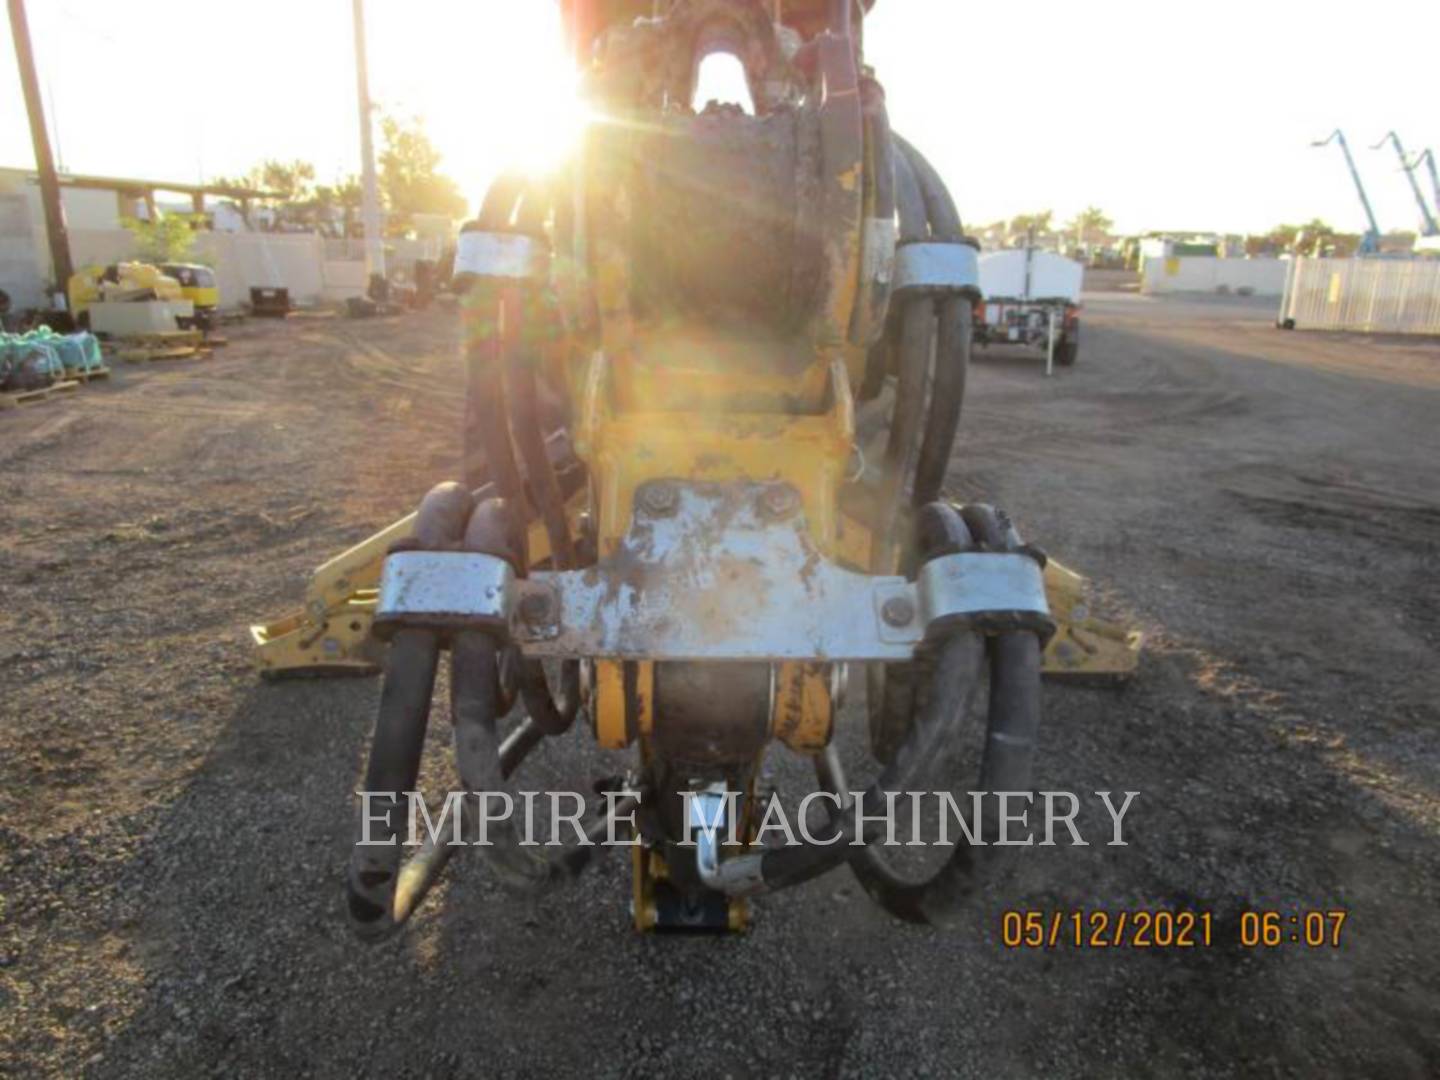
<point>370,197</point>
<point>60,263</point>
<point>1050,346</point>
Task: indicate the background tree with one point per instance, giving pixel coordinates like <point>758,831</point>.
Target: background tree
<point>1314,237</point>
<point>342,196</point>
<point>1091,226</point>
<point>169,239</point>
<point>1025,224</point>
<point>287,181</point>
<point>410,176</point>
<point>291,182</point>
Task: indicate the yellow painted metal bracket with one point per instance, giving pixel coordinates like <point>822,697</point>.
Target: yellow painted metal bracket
<point>1084,646</point>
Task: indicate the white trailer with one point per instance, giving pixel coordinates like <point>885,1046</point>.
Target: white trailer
<point>1031,298</point>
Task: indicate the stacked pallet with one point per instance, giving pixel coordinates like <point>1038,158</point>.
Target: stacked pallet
<point>161,345</point>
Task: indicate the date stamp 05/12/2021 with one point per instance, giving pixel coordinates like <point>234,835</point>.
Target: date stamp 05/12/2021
<point>1102,928</point>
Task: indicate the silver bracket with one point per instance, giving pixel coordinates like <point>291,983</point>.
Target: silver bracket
<point>444,590</point>
<point>937,267</point>
<point>513,256</point>
<point>715,572</point>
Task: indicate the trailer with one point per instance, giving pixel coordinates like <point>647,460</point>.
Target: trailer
<point>1031,298</point>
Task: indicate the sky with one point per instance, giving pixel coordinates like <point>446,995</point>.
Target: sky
<point>1166,116</point>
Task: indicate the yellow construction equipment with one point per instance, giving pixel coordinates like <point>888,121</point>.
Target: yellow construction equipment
<point>120,281</point>
<point>714,371</point>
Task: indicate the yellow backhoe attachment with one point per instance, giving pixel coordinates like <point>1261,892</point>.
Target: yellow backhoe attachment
<point>330,635</point>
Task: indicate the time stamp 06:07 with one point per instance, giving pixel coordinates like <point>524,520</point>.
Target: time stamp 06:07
<point>1163,929</point>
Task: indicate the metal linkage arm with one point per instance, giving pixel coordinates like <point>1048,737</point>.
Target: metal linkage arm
<point>717,576</point>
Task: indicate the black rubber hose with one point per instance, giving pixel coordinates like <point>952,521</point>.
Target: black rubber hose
<point>917,328</point>
<point>914,223</point>
<point>553,715</point>
<point>1013,718</point>
<point>497,209</point>
<point>523,394</point>
<point>953,680</point>
<point>947,397</point>
<point>891,686</point>
<point>377,899</point>
<point>485,763</point>
<point>909,206</point>
<point>1012,721</point>
<point>867,324</point>
<point>534,209</point>
<point>940,210</point>
<point>393,768</point>
<point>475,714</point>
<point>1014,677</point>
<point>487,434</point>
<point>952,348</point>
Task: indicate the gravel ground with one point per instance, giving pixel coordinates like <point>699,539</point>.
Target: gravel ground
<point>173,831</point>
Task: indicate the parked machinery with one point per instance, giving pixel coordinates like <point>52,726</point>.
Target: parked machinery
<point>1370,242</point>
<point>1032,299</point>
<point>1428,227</point>
<point>714,376</point>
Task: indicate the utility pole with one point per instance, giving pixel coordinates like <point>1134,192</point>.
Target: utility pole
<point>44,163</point>
<point>370,197</point>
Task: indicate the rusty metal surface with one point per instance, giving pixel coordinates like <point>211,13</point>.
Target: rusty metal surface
<point>718,578</point>
<point>729,572</point>
<point>725,238</point>
<point>725,572</point>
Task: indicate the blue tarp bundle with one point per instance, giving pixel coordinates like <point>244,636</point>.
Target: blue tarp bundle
<point>34,360</point>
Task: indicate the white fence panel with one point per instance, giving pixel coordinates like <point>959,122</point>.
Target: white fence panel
<point>1394,296</point>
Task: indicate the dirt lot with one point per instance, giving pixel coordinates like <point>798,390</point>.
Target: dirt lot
<point>173,831</point>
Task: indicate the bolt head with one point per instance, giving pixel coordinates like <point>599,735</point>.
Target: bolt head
<point>898,611</point>
<point>659,499</point>
<point>779,500</point>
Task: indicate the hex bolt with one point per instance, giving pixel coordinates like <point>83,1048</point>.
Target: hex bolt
<point>537,608</point>
<point>898,611</point>
<point>659,499</point>
<point>779,501</point>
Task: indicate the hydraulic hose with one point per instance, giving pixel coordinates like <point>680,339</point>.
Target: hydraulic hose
<point>868,320</point>
<point>474,676</point>
<point>947,396</point>
<point>375,897</point>
<point>952,678</point>
<point>891,686</point>
<point>939,206</point>
<point>552,714</point>
<point>1012,720</point>
<point>487,425</point>
<point>523,395</point>
<point>1014,676</point>
<point>504,395</point>
<point>952,350</point>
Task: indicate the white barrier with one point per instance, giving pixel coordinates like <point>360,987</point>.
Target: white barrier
<point>295,261</point>
<point>1209,274</point>
<point>1394,296</point>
